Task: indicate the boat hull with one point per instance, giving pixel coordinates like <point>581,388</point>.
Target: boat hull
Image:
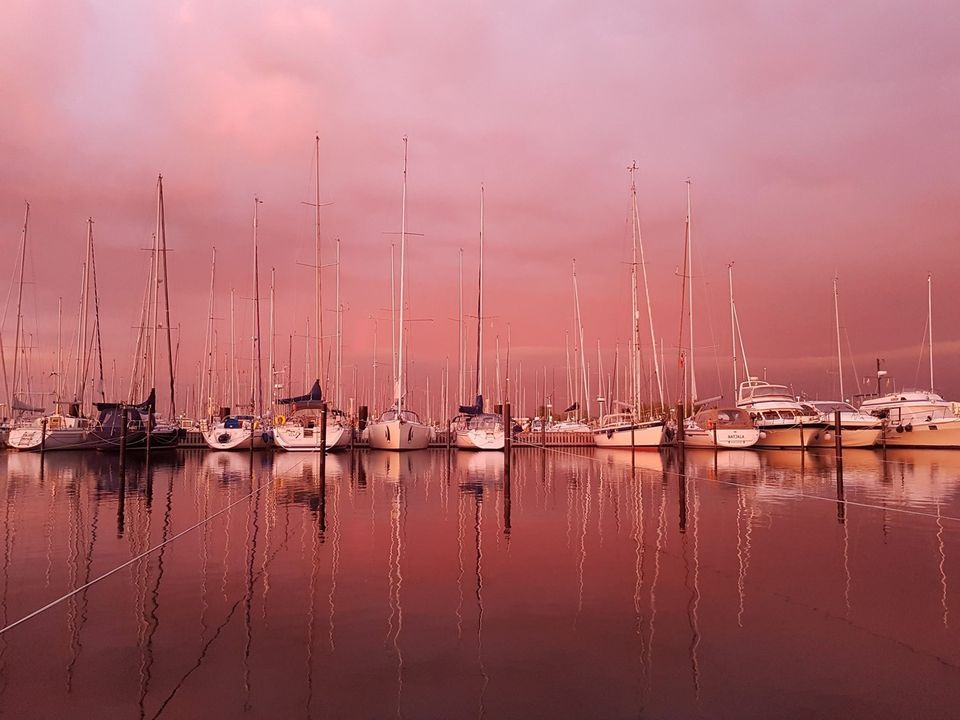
<point>398,435</point>
<point>31,438</point>
<point>236,439</point>
<point>723,438</point>
<point>480,439</point>
<point>642,435</point>
<point>792,437</point>
<point>849,437</point>
<point>944,433</point>
<point>109,441</point>
<point>295,438</point>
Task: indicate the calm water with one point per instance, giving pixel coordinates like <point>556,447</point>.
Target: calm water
<point>426,586</point>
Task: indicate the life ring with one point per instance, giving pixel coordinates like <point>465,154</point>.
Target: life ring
<point>280,420</point>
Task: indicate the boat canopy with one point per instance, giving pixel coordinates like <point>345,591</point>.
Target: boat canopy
<point>724,418</point>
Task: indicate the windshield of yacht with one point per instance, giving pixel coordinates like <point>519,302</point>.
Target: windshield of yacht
<point>829,407</point>
<point>770,391</point>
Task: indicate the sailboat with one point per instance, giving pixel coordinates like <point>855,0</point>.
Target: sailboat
<point>916,418</point>
<point>476,429</point>
<point>144,429</point>
<point>628,429</point>
<point>857,428</point>
<point>719,427</point>
<point>243,432</point>
<point>59,431</point>
<point>299,431</point>
<point>399,428</point>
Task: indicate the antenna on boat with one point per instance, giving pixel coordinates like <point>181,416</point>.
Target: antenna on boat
<point>836,313</point>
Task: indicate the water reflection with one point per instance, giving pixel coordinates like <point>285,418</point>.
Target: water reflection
<point>434,584</point>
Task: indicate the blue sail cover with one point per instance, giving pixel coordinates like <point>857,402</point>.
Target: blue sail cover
<point>147,406</point>
<point>314,398</point>
<point>475,409</point>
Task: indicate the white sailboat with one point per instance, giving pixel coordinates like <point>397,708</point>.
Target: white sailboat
<point>628,429</point>
<point>299,431</point>
<point>476,429</point>
<point>916,418</point>
<point>715,428</point>
<point>241,432</point>
<point>857,429</point>
<point>400,428</point>
<point>60,431</point>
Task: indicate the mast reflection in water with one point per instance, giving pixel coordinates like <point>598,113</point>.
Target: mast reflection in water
<point>374,584</point>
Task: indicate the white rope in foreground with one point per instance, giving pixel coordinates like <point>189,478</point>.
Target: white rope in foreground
<point>132,560</point>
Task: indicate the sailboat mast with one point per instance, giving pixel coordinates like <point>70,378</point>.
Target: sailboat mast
<point>256,369</point>
<point>166,299</point>
<point>583,359</point>
<point>400,389</point>
<point>206,373</point>
<point>690,364</point>
<point>318,295</point>
<point>155,289</point>
<point>836,317</point>
<point>78,378</point>
<point>634,310</point>
<point>233,351</point>
<point>17,332</point>
<point>460,348</point>
<point>393,313</point>
<point>339,335</point>
<point>270,345</point>
<point>646,289</point>
<point>733,330</point>
<point>59,351</point>
<point>479,386</point>
<point>930,322</point>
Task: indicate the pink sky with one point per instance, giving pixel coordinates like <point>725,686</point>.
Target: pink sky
<point>819,139</point>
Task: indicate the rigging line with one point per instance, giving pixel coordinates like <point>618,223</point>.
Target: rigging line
<point>786,491</point>
<point>142,555</point>
<point>923,343</point>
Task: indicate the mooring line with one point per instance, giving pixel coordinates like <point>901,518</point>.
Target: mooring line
<point>142,555</point>
<point>792,493</point>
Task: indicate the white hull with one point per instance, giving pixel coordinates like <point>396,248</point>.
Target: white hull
<point>849,438</point>
<point>480,439</point>
<point>944,433</point>
<point>733,438</point>
<point>234,439</point>
<point>30,438</point>
<point>643,435</point>
<point>788,437</point>
<point>398,435</point>
<point>295,438</point>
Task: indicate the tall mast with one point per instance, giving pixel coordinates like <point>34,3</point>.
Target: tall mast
<point>16,337</point>
<point>79,377</point>
<point>273,378</point>
<point>646,289</point>
<point>583,359</point>
<point>233,352</point>
<point>400,389</point>
<point>836,316</point>
<point>166,297</point>
<point>339,335</point>
<point>930,322</point>
<point>393,308</point>
<point>733,330</point>
<point>155,290</point>
<point>479,386</point>
<point>256,380</point>
<point>693,374</point>
<point>96,318</point>
<point>59,351</point>
<point>317,274</point>
<point>634,310</point>
<point>206,373</point>
<point>460,347</point>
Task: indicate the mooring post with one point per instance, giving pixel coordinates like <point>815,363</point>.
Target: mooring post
<point>543,429</point>
<point>837,437</point>
<point>43,437</point>
<point>124,421</point>
<point>507,438</point>
<point>362,414</point>
<point>323,440</point>
<point>681,430</point>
